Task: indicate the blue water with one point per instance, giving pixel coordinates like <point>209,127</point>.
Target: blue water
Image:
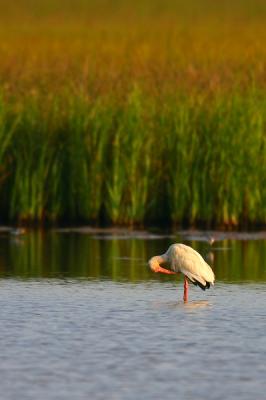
<point>129,336</point>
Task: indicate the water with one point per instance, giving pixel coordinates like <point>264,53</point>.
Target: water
<point>83,318</point>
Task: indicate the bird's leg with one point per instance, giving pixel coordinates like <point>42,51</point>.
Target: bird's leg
<point>185,298</point>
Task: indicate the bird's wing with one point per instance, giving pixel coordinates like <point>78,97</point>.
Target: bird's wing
<point>191,264</point>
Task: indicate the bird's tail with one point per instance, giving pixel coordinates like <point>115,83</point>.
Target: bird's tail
<point>197,283</point>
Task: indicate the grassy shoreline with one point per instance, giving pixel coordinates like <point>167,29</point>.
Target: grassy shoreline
<point>133,113</point>
<point>185,160</point>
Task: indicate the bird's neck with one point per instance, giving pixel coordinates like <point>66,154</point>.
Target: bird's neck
<point>157,261</point>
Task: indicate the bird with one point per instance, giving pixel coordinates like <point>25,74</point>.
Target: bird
<point>182,258</point>
<point>17,231</point>
<point>211,239</point>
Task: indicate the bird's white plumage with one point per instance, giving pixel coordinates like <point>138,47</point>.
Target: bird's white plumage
<point>182,258</point>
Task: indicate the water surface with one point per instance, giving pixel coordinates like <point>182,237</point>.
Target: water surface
<point>82,317</point>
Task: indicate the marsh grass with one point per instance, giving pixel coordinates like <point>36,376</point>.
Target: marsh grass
<point>189,160</point>
<point>105,121</point>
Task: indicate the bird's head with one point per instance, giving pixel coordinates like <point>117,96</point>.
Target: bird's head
<point>154,264</point>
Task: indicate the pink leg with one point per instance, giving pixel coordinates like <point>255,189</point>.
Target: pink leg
<point>185,298</point>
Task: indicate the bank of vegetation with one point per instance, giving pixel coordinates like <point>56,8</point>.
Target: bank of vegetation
<point>151,115</point>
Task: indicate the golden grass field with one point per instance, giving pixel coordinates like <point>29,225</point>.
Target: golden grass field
<point>133,112</point>
<point>102,47</point>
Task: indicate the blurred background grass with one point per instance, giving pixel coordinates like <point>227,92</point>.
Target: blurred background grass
<point>133,112</point>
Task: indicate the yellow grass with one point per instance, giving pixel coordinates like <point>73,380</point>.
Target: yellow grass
<point>100,48</point>
<point>79,77</point>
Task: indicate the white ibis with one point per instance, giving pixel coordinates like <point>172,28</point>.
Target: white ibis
<point>184,259</point>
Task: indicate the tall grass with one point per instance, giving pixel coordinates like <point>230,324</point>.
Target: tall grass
<point>190,160</point>
<point>130,162</point>
<point>133,112</point>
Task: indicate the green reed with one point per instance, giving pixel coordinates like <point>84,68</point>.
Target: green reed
<point>139,159</point>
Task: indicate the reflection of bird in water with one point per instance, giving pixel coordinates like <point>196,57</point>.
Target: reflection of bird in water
<point>184,259</point>
<point>197,304</point>
<point>188,306</point>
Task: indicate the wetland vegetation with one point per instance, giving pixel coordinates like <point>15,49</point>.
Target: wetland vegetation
<point>129,114</point>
